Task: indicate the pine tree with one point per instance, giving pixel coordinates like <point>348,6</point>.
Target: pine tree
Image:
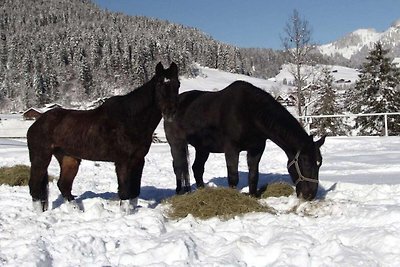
<point>377,91</point>
<point>3,52</point>
<point>85,77</point>
<point>327,105</point>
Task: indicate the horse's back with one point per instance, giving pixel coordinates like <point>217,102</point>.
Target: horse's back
<point>210,119</point>
<point>46,122</point>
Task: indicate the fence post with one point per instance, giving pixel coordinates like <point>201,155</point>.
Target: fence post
<point>386,125</point>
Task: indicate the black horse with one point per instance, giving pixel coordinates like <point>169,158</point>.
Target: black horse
<point>119,131</point>
<point>240,118</point>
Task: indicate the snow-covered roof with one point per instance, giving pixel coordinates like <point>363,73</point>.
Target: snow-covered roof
<point>47,107</point>
<point>35,109</point>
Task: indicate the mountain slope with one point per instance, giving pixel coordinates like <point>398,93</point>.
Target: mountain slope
<point>355,45</point>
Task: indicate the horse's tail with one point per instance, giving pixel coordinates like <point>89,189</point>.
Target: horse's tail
<point>40,153</point>
<point>185,176</point>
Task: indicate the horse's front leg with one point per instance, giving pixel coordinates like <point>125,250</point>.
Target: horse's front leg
<point>129,180</point>
<point>39,179</point>
<point>232,162</point>
<point>253,160</point>
<point>180,155</point>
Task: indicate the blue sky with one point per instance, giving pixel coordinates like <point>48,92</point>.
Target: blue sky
<point>260,23</point>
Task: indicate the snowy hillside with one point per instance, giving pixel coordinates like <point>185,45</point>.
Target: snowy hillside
<point>340,74</point>
<point>362,40</point>
<point>215,80</point>
<point>351,43</point>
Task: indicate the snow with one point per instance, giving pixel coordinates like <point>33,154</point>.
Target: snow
<point>348,75</point>
<point>355,220</point>
<point>352,43</point>
<point>13,126</point>
<point>214,80</point>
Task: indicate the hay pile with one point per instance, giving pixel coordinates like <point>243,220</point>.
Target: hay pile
<point>208,202</point>
<point>16,175</point>
<point>276,190</point>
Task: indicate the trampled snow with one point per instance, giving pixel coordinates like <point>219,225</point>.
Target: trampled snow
<point>355,220</point>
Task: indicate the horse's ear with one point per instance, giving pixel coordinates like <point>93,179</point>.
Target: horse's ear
<point>174,69</point>
<point>321,141</point>
<point>159,69</point>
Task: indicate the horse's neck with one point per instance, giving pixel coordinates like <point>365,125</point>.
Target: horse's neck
<point>289,142</point>
<point>285,131</point>
<point>143,98</point>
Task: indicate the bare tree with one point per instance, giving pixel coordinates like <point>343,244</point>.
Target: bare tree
<point>298,47</point>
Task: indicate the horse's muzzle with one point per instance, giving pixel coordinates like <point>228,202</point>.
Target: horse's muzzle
<point>306,193</point>
<point>306,196</point>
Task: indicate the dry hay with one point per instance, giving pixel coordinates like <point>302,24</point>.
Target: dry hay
<point>276,190</point>
<point>209,202</point>
<point>16,175</point>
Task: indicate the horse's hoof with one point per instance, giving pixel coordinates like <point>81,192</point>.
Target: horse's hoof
<point>184,190</point>
<point>40,205</point>
<point>200,186</point>
<point>180,192</point>
<point>128,206</point>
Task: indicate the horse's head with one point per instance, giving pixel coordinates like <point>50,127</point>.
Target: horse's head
<point>304,167</point>
<point>167,89</point>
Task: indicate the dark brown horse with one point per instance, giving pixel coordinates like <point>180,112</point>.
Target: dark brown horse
<point>240,117</point>
<point>119,131</point>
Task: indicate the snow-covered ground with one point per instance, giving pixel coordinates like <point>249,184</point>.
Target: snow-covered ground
<point>13,125</point>
<point>354,222</point>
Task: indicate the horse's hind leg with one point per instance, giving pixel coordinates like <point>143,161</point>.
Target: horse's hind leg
<point>39,179</point>
<point>232,162</point>
<point>253,160</point>
<point>198,166</point>
<point>69,168</point>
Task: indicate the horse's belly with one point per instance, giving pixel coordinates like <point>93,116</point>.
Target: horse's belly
<point>210,143</point>
<point>96,150</point>
<point>87,153</point>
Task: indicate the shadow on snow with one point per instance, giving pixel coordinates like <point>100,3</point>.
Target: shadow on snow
<point>157,195</point>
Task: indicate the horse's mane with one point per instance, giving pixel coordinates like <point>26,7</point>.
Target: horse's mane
<point>282,126</point>
<point>133,102</point>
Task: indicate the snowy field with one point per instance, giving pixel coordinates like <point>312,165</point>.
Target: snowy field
<point>355,220</point>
